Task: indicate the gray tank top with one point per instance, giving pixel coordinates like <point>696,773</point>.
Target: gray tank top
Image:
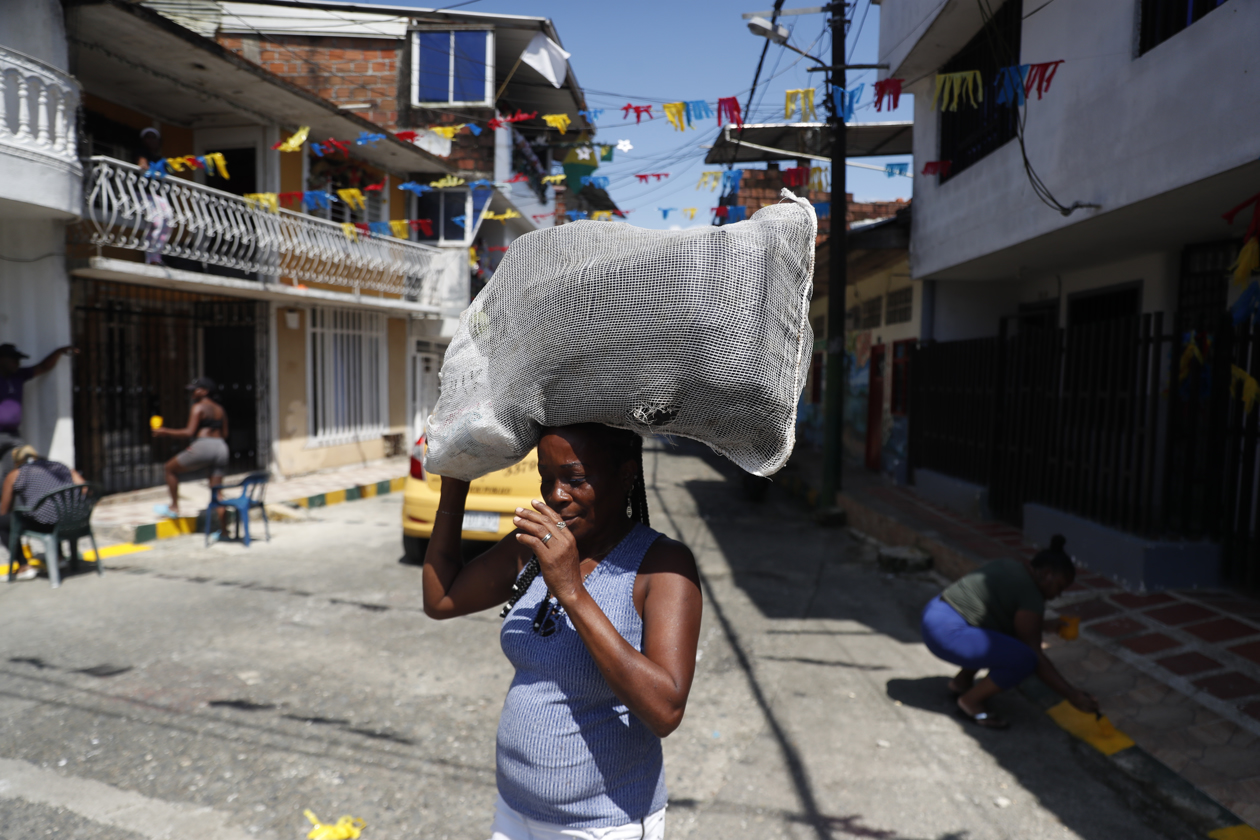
<point>568,751</point>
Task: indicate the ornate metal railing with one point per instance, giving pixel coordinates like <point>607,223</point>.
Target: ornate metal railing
<point>42,124</point>
<point>171,216</point>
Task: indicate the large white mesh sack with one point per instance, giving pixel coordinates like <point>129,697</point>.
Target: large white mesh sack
<point>701,333</point>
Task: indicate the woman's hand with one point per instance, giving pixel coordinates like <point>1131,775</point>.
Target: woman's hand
<point>558,556</point>
<point>1084,701</point>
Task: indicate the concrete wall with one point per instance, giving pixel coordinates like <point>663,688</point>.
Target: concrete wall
<point>1115,128</point>
<point>37,28</point>
<point>396,342</point>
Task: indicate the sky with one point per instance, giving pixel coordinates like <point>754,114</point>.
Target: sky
<point>654,51</point>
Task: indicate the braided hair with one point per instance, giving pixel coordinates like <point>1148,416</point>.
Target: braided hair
<point>625,446</point>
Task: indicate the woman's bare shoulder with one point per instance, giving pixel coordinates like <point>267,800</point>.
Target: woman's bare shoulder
<point>669,556</point>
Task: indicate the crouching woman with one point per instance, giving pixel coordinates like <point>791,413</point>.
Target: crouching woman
<point>993,618</point>
<point>601,623</point>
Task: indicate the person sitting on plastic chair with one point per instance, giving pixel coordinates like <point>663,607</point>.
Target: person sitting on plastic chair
<point>32,478</point>
<point>253,495</point>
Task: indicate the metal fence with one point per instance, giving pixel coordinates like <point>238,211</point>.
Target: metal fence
<point>179,218</point>
<point>1116,421</point>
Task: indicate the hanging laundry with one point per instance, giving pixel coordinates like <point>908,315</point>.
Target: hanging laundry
<point>268,201</point>
<point>736,213</point>
<point>822,208</point>
<point>366,138</point>
<point>731,179</point>
<point>294,141</point>
<point>711,178</point>
<point>894,169</point>
<point>818,179</point>
<point>847,100</point>
<point>937,167</point>
<point>374,187</point>
<point>796,176</point>
<point>1040,76</point>
<point>802,100</point>
<point>425,226</point>
<point>952,86</point>
<point>676,113</point>
<point>697,109</point>
<point>560,122</point>
<point>665,211</point>
<point>1010,85</point>
<point>447,181</point>
<point>728,106</point>
<point>352,197</point>
<point>890,90</point>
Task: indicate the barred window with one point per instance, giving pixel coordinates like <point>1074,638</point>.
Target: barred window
<point>347,376</point>
<point>872,310</point>
<point>900,306</point>
<point>853,318</point>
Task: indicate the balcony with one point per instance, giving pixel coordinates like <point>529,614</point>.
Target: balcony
<point>244,247</point>
<point>39,163</point>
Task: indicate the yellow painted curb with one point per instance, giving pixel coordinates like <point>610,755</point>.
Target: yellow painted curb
<point>116,550</point>
<point>397,484</point>
<point>1235,832</point>
<point>367,491</point>
<point>1098,733</point>
<point>167,528</point>
<point>334,497</point>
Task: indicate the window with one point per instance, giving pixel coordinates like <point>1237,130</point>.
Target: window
<point>853,318</point>
<point>452,214</point>
<point>1106,304</point>
<point>900,306</point>
<point>454,67</point>
<point>1162,19</point>
<point>871,311</point>
<point>970,134</point>
<point>347,376</point>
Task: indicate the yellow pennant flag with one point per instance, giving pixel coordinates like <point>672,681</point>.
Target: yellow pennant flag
<point>818,179</point>
<point>676,113</point>
<point>1188,355</point>
<point>560,122</point>
<point>710,179</point>
<point>352,197</point>
<point>1250,388</point>
<point>802,98</point>
<point>601,216</point>
<point>553,179</point>
<point>448,181</point>
<point>689,212</point>
<point>951,86</point>
<point>346,828</point>
<point>447,131</point>
<point>504,216</point>
<point>269,201</point>
<point>351,232</point>
<point>295,141</point>
<point>1247,262</point>
<point>175,164</point>
<point>219,162</point>
<point>400,228</point>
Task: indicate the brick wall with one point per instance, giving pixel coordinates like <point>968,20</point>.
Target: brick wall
<point>760,187</point>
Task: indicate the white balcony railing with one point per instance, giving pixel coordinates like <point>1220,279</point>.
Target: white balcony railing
<point>41,126</point>
<point>176,217</point>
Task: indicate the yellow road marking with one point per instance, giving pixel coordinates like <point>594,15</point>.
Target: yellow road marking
<point>167,528</point>
<point>1235,832</point>
<point>116,550</point>
<point>1099,734</point>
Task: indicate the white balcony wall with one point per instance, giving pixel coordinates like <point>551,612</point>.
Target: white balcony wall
<point>1116,129</point>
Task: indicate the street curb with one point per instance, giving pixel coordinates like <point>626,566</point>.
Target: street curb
<point>1193,805</point>
<point>168,528</point>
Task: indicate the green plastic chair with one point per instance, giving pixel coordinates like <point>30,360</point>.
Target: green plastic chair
<point>73,505</point>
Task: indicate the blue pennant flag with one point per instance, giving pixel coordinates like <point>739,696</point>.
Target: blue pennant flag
<point>460,220</point>
<point>592,115</point>
<point>481,184</point>
<point>847,100</point>
<point>894,169</point>
<point>575,215</point>
<point>475,129</point>
<point>316,198</point>
<point>380,227</point>
<point>665,211</point>
<point>597,181</point>
<point>418,189</point>
<point>731,178</point>
<point>365,138</point>
<point>736,213</point>
<point>697,109</point>
<point>157,168</point>
<point>1010,84</point>
<point>1244,309</point>
<point>822,208</point>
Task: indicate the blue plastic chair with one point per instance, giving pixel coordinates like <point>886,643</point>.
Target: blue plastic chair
<point>253,495</point>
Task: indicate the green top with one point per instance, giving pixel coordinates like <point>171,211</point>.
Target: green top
<point>988,598</point>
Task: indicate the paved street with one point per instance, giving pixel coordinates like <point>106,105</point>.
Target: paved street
<point>216,693</point>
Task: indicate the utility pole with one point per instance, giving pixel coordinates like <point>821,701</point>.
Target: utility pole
<point>837,280</point>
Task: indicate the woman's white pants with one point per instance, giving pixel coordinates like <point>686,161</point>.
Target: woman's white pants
<point>510,825</point>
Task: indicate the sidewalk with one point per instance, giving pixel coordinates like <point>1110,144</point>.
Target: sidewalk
<point>1177,671</point>
<point>129,517</point>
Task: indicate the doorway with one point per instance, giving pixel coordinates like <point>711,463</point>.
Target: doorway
<point>875,409</point>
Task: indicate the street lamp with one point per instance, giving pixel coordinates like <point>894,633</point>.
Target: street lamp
<point>837,278</point>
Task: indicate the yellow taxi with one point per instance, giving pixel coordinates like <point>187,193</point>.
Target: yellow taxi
<point>492,502</point>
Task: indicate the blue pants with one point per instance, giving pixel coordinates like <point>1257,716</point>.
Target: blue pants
<point>948,635</point>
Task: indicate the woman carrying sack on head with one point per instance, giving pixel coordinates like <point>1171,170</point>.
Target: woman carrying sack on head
<point>601,623</point>
<point>993,618</point>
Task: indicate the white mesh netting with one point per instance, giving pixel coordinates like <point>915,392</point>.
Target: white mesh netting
<point>701,333</point>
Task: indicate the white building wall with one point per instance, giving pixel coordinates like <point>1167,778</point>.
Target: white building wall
<point>1115,128</point>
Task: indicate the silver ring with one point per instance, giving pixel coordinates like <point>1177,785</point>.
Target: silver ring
<point>546,537</point>
<point>561,525</point>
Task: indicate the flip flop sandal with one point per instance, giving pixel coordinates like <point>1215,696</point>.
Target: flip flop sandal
<point>988,720</point>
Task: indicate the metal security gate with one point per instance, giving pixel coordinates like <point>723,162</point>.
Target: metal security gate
<point>140,347</point>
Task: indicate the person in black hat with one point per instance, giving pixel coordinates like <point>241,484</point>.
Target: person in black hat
<point>207,430</point>
<point>13,376</point>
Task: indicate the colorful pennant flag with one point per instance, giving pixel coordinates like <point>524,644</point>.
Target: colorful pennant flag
<point>350,231</point>
<point>643,178</point>
<point>665,211</point>
<point>352,197</point>
<point>1010,85</point>
<point>736,213</point>
<point>317,199</point>
<point>365,138</point>
<point>418,189</point>
<point>575,215</point>
<point>1040,76</point>
<point>818,179</point>
<point>601,216</point>
<point>269,200</point>
<point>676,113</point>
<point>889,89</point>
<point>802,100</point>
<point>1250,388</point>
<point>553,179</point>
<point>951,86</point>
<point>597,181</point>
<point>697,109</point>
<point>560,122</point>
<point>399,229</point>
<point>1249,257</point>
<point>796,176</point>
<point>710,178</point>
<point>689,212</point>
<point>591,115</point>
<point>294,142</point>
<point>425,226</point>
<point>848,100</point>
<point>728,107</point>
<point>606,154</point>
<point>446,182</point>
<point>731,179</point>
<point>374,187</point>
<point>639,111</point>
<point>937,167</point>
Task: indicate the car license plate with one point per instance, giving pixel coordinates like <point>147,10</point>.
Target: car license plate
<point>479,520</point>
